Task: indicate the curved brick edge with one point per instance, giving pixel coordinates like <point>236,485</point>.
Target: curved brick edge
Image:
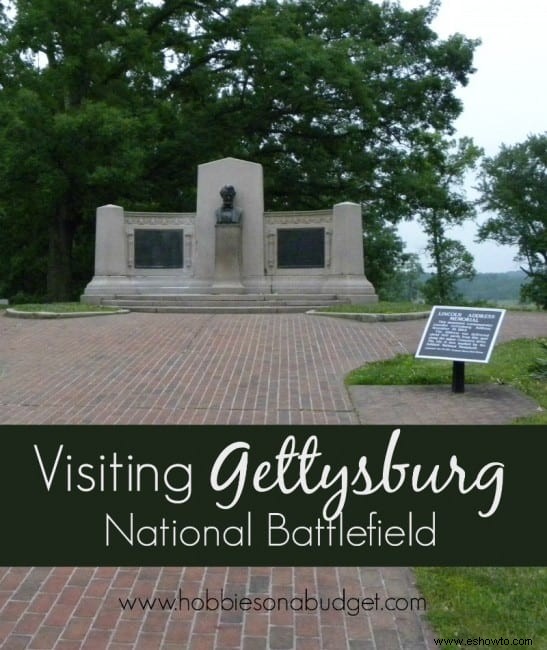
<point>370,318</point>
<point>14,313</point>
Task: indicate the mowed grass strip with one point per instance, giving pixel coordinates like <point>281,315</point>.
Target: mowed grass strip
<point>487,602</point>
<point>380,308</point>
<point>62,307</point>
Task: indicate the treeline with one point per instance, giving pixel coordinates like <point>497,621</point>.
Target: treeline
<point>483,287</point>
<point>492,286</point>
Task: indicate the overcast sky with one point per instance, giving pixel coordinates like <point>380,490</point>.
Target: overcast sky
<point>506,98</point>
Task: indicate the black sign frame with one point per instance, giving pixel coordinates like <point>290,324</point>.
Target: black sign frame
<point>463,323</point>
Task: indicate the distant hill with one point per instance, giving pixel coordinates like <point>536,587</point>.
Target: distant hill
<point>493,286</point>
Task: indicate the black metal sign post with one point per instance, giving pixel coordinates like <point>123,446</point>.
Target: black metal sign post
<point>458,377</point>
<point>460,334</point>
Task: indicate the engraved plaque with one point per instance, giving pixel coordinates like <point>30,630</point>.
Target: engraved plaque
<point>158,249</point>
<point>300,248</point>
<point>460,333</point>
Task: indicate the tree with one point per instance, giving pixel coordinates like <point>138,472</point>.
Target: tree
<point>513,185</point>
<point>407,282</point>
<point>341,99</point>
<point>74,128</point>
<point>447,207</point>
<point>393,272</point>
<point>117,102</point>
<point>452,262</point>
<point>404,282</point>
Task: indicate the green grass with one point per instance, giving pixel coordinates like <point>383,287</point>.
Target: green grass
<point>511,364</point>
<point>508,602</point>
<point>380,308</point>
<point>62,307</point>
<point>410,307</point>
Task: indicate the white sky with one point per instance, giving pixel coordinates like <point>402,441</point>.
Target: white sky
<point>505,99</point>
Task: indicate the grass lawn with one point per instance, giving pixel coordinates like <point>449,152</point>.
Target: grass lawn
<point>409,307</point>
<point>62,307</point>
<point>487,602</point>
<point>509,602</point>
<point>380,308</point>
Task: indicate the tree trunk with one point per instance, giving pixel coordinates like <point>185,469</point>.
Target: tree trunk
<point>59,272</point>
<point>438,260</point>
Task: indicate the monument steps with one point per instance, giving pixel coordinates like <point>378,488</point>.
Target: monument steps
<point>223,303</point>
<point>224,297</point>
<point>234,309</point>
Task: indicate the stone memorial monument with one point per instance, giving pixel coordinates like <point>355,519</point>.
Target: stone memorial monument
<point>230,253</point>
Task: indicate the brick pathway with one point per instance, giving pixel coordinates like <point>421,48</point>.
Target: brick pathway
<point>191,369</point>
<point>197,369</point>
<point>480,404</point>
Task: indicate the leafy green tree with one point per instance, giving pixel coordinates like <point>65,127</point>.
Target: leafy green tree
<point>447,206</point>
<point>406,282</point>
<point>393,272</point>
<point>74,128</point>
<point>340,99</point>
<point>452,262</point>
<point>513,185</point>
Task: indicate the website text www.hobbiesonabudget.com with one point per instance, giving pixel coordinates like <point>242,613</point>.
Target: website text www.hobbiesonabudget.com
<point>219,600</point>
<point>210,601</point>
<point>483,642</point>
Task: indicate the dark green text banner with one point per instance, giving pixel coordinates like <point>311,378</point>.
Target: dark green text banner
<point>273,495</point>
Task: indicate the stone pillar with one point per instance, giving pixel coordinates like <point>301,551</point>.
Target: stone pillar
<point>347,240</point>
<point>110,241</point>
<point>246,177</point>
<point>348,273</point>
<point>227,257</point>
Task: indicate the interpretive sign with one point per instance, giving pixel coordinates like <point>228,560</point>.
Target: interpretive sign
<point>158,249</point>
<point>300,248</point>
<point>460,334</point>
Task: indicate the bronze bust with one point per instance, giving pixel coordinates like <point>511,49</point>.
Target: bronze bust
<point>228,213</point>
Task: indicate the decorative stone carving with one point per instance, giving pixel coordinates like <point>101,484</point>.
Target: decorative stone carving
<point>328,247</point>
<point>160,218</point>
<point>315,218</point>
<point>271,250</point>
<point>188,250</point>
<point>130,250</point>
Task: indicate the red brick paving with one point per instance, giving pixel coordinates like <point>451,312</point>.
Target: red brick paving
<point>98,623</point>
<point>191,369</point>
<point>197,369</point>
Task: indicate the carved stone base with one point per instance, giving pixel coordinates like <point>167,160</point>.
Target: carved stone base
<point>227,256</point>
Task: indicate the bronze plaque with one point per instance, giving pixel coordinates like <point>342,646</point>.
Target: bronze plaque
<point>158,249</point>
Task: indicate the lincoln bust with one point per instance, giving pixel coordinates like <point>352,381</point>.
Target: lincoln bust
<point>228,213</point>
